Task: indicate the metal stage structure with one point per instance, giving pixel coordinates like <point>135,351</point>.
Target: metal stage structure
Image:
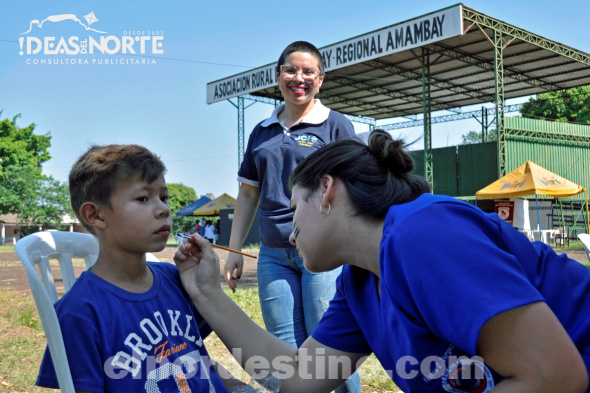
<point>444,60</point>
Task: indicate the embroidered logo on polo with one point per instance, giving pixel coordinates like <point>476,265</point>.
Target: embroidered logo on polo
<point>306,140</point>
<point>468,375</point>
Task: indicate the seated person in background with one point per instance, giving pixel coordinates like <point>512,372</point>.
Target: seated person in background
<point>127,324</point>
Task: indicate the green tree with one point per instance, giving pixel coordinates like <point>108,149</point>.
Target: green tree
<point>570,105</point>
<point>24,190</point>
<point>475,137</point>
<point>18,187</point>
<point>52,204</point>
<point>179,196</point>
<point>21,147</point>
<point>34,198</point>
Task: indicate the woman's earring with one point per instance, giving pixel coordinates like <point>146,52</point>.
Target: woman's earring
<point>329,207</point>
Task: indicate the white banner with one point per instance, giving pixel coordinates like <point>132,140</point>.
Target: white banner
<point>414,33</point>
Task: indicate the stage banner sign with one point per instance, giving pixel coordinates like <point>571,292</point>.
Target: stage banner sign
<point>427,29</point>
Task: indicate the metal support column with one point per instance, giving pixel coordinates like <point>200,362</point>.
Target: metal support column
<point>241,146</point>
<point>499,77</point>
<point>426,103</point>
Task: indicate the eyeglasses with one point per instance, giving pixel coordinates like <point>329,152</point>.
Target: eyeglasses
<point>308,74</point>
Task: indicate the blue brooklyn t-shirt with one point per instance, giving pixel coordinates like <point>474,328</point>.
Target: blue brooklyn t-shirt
<point>120,341</point>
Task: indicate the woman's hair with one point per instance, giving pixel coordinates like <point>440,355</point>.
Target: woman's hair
<point>376,175</point>
<point>301,46</point>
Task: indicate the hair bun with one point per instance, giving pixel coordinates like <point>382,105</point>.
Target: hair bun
<point>391,154</point>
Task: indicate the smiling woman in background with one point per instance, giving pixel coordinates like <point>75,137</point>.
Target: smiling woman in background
<point>292,299</point>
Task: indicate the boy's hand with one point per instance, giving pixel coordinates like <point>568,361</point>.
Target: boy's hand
<point>235,262</point>
<point>198,266</point>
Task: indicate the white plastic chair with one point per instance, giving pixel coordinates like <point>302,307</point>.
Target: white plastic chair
<point>585,238</point>
<point>36,250</point>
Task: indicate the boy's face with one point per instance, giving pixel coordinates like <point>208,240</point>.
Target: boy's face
<point>139,219</point>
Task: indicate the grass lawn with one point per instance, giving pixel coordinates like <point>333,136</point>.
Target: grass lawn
<point>7,248</point>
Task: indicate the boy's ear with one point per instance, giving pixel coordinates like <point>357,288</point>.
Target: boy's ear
<point>90,213</point>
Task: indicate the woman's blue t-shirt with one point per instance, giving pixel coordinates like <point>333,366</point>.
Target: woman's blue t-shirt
<point>446,268</point>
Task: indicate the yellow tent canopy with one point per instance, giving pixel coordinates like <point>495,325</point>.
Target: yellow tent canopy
<point>212,208</point>
<point>531,179</point>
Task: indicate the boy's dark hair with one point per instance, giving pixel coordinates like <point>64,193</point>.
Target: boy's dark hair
<point>376,176</point>
<point>301,46</point>
<point>98,172</point>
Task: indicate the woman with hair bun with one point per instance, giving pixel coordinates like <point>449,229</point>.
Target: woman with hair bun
<point>449,298</point>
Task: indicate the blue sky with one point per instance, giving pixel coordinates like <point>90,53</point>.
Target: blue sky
<point>162,106</point>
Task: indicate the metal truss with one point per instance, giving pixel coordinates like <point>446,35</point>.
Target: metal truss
<point>447,118</point>
<point>488,65</point>
<point>499,72</point>
<point>415,75</point>
<point>264,100</point>
<point>426,102</point>
<point>545,136</point>
<point>523,35</point>
<point>363,120</point>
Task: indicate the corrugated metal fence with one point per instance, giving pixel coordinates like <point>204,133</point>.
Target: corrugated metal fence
<point>559,147</point>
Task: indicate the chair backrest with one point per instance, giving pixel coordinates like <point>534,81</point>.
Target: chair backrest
<point>585,238</point>
<point>36,250</point>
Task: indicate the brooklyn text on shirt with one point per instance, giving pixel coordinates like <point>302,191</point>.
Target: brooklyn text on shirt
<point>157,337</point>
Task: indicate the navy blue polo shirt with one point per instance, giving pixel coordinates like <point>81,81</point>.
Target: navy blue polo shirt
<point>273,152</point>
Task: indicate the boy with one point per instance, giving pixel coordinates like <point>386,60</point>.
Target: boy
<point>127,324</point>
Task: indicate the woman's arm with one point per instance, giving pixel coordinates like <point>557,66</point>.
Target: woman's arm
<point>229,381</point>
<point>313,368</point>
<point>530,348</point>
<point>244,214</point>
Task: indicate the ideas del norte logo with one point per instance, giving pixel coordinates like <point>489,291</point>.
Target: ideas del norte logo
<point>77,48</point>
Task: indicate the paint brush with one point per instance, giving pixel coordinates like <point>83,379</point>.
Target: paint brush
<point>221,247</point>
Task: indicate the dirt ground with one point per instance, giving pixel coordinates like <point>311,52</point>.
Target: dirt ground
<point>13,275</point>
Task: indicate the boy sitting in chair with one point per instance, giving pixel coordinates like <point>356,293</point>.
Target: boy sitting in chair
<point>127,324</point>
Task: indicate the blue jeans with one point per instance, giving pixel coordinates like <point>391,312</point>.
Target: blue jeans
<point>293,299</point>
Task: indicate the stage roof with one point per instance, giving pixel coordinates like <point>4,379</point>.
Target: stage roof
<point>379,74</point>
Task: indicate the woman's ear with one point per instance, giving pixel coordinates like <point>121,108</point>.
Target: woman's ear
<point>327,189</point>
<point>90,213</point>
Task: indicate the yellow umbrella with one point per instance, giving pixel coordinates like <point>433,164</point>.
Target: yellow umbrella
<point>212,208</point>
<point>531,179</point>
